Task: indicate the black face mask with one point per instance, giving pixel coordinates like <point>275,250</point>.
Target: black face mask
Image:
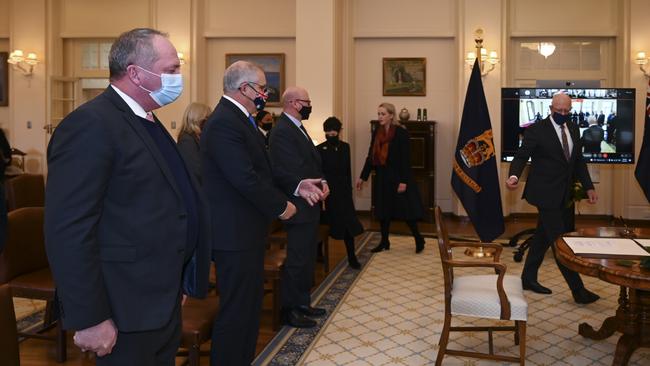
<point>332,139</point>
<point>260,103</point>
<point>266,126</point>
<point>305,111</point>
<point>560,119</point>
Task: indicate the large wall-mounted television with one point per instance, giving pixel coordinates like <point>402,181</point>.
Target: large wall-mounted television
<point>605,117</point>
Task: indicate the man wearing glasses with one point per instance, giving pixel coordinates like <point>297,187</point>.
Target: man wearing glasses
<point>295,159</point>
<point>557,162</point>
<point>243,201</point>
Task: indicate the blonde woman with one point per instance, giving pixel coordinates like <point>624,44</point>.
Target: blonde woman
<point>397,196</point>
<point>188,139</point>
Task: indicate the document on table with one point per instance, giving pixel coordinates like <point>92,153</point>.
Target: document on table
<point>643,242</point>
<point>605,247</point>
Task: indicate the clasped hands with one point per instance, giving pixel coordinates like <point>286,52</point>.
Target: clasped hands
<point>313,190</point>
<point>100,338</point>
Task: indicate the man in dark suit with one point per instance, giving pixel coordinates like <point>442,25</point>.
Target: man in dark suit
<point>243,201</point>
<point>557,162</point>
<point>593,136</point>
<point>123,217</point>
<point>295,158</point>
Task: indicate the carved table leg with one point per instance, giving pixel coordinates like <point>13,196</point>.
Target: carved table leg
<point>624,349</point>
<point>611,324</point>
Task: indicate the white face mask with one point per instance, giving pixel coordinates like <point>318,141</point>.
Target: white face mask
<point>171,87</point>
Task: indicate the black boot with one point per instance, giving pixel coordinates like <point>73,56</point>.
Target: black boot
<point>419,244</point>
<point>349,248</point>
<point>383,245</point>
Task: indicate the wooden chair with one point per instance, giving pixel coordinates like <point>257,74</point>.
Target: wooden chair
<point>24,266</point>
<point>25,190</point>
<point>273,262</point>
<point>198,318</point>
<point>482,296</point>
<point>9,354</point>
<point>277,235</point>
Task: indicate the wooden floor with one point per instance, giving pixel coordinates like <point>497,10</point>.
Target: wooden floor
<point>35,352</point>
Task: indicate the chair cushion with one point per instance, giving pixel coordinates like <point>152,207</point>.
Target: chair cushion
<point>477,296</point>
<point>198,317</point>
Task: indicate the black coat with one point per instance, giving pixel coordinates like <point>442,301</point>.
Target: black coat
<point>591,139</point>
<point>116,228</point>
<point>339,206</point>
<point>190,150</point>
<point>294,158</point>
<point>237,180</point>
<point>551,176</point>
<point>388,203</point>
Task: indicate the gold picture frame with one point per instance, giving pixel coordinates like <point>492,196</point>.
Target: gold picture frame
<point>404,76</point>
<point>273,66</point>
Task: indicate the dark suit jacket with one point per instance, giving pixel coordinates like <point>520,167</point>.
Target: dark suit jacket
<point>592,137</point>
<point>294,158</point>
<point>237,180</point>
<point>190,150</point>
<point>115,222</point>
<point>551,176</point>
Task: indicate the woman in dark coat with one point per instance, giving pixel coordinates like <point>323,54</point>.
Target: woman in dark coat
<point>188,139</point>
<point>396,194</point>
<point>339,207</point>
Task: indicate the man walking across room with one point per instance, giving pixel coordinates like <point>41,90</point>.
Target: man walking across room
<point>123,216</point>
<point>557,162</point>
<point>295,161</point>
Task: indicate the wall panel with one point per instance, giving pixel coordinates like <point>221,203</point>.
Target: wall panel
<point>406,18</point>
<point>259,18</point>
<point>83,18</point>
<point>564,18</point>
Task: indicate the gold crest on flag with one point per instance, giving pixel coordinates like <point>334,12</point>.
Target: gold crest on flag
<point>478,150</point>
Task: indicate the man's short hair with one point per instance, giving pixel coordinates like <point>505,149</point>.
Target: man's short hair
<point>132,47</point>
<point>238,73</point>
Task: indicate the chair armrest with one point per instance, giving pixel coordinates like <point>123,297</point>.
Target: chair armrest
<point>497,247</point>
<point>500,268</point>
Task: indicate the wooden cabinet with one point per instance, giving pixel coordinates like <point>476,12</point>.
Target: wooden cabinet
<point>423,163</point>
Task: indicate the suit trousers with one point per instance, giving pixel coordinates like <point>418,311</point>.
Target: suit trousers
<point>149,348</point>
<point>240,280</point>
<point>551,223</point>
<point>298,271</point>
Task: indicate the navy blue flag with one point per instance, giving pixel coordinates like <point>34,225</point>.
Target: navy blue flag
<point>474,176</point>
<point>642,171</point>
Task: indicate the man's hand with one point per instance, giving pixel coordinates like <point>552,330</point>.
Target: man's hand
<point>359,184</point>
<point>288,212</point>
<point>310,191</point>
<point>401,188</point>
<point>100,338</point>
<point>512,183</point>
<point>592,195</point>
<point>325,188</point>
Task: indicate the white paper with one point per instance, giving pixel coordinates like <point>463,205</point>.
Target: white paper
<point>605,246</point>
<point>644,242</point>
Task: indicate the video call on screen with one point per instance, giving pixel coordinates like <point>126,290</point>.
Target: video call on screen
<point>604,116</point>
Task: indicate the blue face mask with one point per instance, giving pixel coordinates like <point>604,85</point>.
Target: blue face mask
<point>171,87</point>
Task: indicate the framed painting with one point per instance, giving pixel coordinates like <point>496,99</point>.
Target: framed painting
<point>404,76</point>
<point>273,66</point>
<point>4,79</point>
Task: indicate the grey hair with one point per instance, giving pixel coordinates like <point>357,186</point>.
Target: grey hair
<point>238,73</point>
<point>132,47</point>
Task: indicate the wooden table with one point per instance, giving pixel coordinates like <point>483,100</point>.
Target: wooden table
<point>632,317</point>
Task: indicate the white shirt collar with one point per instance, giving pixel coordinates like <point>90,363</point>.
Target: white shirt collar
<point>558,131</point>
<point>296,122</point>
<point>239,105</point>
<point>135,107</point>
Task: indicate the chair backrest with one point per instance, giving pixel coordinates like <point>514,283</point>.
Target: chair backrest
<point>25,190</point>
<point>445,251</point>
<point>9,354</point>
<point>24,250</point>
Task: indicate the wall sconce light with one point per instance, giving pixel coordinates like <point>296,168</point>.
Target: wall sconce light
<point>486,60</point>
<point>24,64</point>
<point>181,57</point>
<point>546,48</point>
<point>641,60</point>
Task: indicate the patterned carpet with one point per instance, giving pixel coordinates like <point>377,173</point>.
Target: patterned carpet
<point>393,313</point>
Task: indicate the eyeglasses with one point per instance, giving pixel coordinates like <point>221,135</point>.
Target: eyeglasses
<point>562,111</point>
<point>306,101</point>
<point>262,88</point>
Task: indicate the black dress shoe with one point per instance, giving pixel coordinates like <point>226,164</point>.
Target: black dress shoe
<point>354,263</point>
<point>296,319</point>
<point>584,296</point>
<point>384,245</point>
<point>311,311</point>
<point>535,287</point>
<point>419,244</point>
